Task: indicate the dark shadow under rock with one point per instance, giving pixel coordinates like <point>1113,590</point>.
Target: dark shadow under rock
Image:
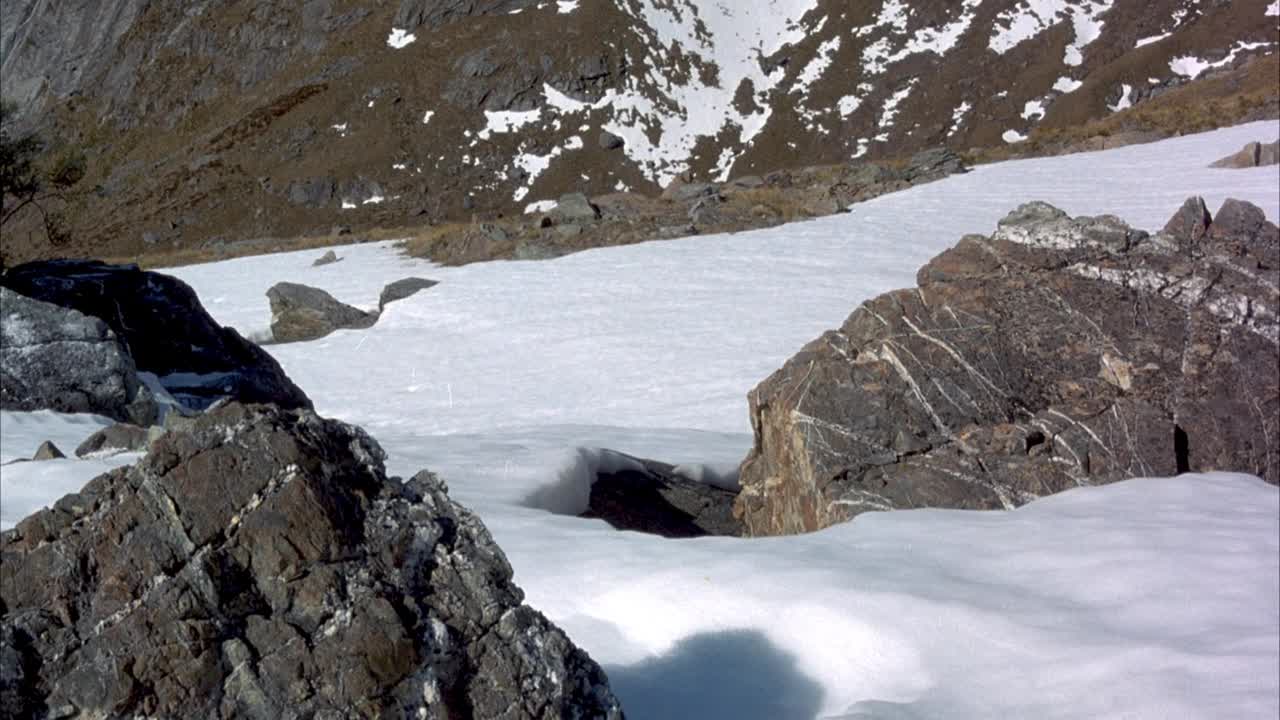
<point>654,499</point>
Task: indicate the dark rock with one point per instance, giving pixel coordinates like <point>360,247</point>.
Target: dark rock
<point>261,565</point>
<point>1190,223</point>
<point>48,451</point>
<point>300,312</point>
<point>933,164</point>
<point>1253,154</point>
<point>160,323</point>
<point>1059,352</point>
<point>575,208</point>
<point>340,230</point>
<point>652,498</point>
<point>328,258</point>
<point>609,141</point>
<point>57,358</point>
<point>403,288</point>
<point>114,439</point>
<point>686,192</point>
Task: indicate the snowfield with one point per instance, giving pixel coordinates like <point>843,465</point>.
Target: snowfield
<point>1152,598</point>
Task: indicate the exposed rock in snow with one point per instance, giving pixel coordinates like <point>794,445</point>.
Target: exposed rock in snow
<point>299,312</point>
<point>1252,155</point>
<point>1056,353</point>
<point>165,330</point>
<point>260,564</point>
<point>57,358</point>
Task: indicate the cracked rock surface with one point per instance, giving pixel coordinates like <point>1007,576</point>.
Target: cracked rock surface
<point>1056,353</point>
<point>260,564</point>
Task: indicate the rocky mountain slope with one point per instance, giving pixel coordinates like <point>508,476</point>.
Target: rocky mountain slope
<point>207,122</point>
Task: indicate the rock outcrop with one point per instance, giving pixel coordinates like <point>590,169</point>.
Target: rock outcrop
<point>1056,353</point>
<point>56,358</point>
<point>300,312</point>
<point>403,288</point>
<point>115,439</point>
<point>651,497</point>
<point>1254,154</point>
<point>259,564</point>
<point>160,323</point>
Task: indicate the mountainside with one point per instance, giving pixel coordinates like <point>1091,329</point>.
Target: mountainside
<point>208,121</point>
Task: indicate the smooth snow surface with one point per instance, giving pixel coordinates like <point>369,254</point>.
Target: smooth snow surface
<point>1145,599</point>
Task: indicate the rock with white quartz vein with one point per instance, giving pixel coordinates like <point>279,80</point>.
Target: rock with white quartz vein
<point>260,564</point>
<point>1058,352</point>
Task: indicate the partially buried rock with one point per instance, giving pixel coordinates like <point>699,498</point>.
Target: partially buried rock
<point>48,451</point>
<point>575,208</point>
<point>1254,154</point>
<point>165,330</point>
<point>260,564</point>
<point>114,439</point>
<point>1056,353</point>
<point>57,358</point>
<point>651,497</point>
<point>300,312</point>
<point>401,289</point>
<point>328,258</point>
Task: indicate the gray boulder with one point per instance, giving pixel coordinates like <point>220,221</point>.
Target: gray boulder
<point>301,312</point>
<point>401,289</point>
<point>60,359</point>
<point>114,439</point>
<point>1056,353</point>
<point>48,451</point>
<point>1253,154</point>
<point>575,208</point>
<point>609,141</point>
<point>260,564</point>
<point>161,324</point>
<point>328,258</point>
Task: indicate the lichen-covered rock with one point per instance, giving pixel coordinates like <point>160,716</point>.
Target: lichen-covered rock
<point>1058,352</point>
<point>161,324</point>
<point>300,312</point>
<point>56,358</point>
<point>259,564</point>
<point>115,439</point>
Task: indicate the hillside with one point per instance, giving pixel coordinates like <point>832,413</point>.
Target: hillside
<point>207,123</point>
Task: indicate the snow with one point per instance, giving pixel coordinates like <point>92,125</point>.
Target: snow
<point>507,121</point>
<point>1033,110</point>
<point>565,7</point>
<point>541,206</point>
<point>426,116</point>
<point>1273,9</point>
<point>848,104</point>
<point>817,66</point>
<point>890,110</point>
<point>1066,85</point>
<point>1144,599</point>
<point>957,115</point>
<point>1032,17</point>
<point>400,38</point>
<point>1191,67</point>
<point>1012,136</point>
<point>1125,101</point>
<point>1153,39</point>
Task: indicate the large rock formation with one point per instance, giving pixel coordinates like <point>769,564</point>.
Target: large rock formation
<point>260,565</point>
<point>60,359</point>
<point>1058,352</point>
<point>300,312</point>
<point>161,324</point>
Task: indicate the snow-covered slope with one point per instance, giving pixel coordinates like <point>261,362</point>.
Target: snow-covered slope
<point>1147,599</point>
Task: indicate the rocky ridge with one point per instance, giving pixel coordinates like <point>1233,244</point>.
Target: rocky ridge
<point>206,124</point>
<point>1056,353</point>
<point>259,564</point>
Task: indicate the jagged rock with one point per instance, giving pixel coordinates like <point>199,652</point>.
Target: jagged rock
<point>300,312</point>
<point>57,358</point>
<point>575,208</point>
<point>261,565</point>
<point>1253,154</point>
<point>933,164</point>
<point>328,258</point>
<point>1059,352</point>
<point>48,451</point>
<point>403,288</point>
<point>160,323</point>
<point>312,192</point>
<point>686,192</point>
<point>114,439</point>
<point>651,497</point>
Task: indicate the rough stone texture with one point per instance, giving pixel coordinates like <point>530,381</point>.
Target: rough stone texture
<point>114,439</point>
<point>60,359</point>
<point>300,312</point>
<point>403,288</point>
<point>48,451</point>
<point>260,565</point>
<point>160,322</point>
<point>575,208</point>
<point>1058,352</point>
<point>1253,154</point>
<point>653,498</point>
